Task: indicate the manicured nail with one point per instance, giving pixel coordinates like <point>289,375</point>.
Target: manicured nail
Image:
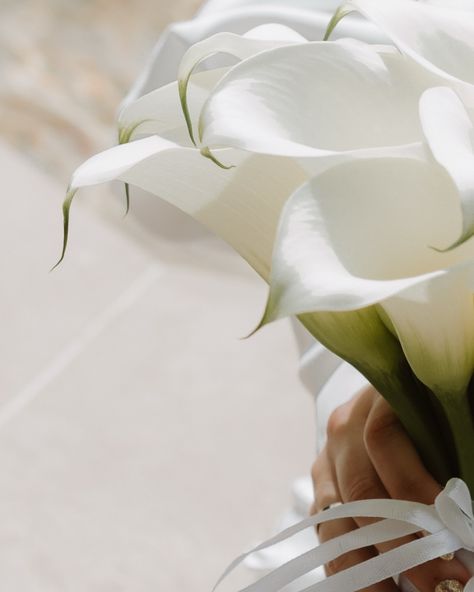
<point>449,586</point>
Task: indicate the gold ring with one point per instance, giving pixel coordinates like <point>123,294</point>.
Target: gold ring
<point>335,504</point>
<point>449,586</point>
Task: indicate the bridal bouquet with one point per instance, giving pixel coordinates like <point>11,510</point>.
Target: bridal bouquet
<point>343,172</point>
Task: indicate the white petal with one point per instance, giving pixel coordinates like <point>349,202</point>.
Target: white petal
<point>256,40</point>
<point>241,205</point>
<point>316,99</point>
<point>275,33</point>
<point>163,64</point>
<point>449,132</point>
<point>110,164</point>
<point>435,325</point>
<point>259,39</point>
<point>452,4</point>
<point>437,37</point>
<point>159,112</point>
<point>360,233</point>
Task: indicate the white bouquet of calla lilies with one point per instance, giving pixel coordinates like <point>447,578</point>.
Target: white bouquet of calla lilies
<point>343,172</point>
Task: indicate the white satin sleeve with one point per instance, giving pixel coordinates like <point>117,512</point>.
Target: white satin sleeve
<point>330,382</point>
<point>328,379</point>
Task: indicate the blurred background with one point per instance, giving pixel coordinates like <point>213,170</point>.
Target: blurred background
<point>143,444</point>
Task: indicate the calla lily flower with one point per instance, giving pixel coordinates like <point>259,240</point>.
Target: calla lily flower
<point>239,46</point>
<point>242,205</point>
<point>438,35</point>
<point>353,99</point>
<point>332,257</point>
<point>158,111</point>
<point>324,258</point>
<point>252,106</point>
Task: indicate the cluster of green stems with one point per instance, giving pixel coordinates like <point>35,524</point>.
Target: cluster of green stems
<point>441,424</point>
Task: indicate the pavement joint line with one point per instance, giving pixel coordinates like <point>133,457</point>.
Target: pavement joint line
<point>82,340</point>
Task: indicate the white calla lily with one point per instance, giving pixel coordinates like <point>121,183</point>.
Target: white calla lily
<point>438,37</point>
<point>360,234</point>
<point>451,4</point>
<point>241,205</point>
<point>449,132</point>
<point>256,40</point>
<point>159,111</point>
<point>435,324</point>
<point>344,98</point>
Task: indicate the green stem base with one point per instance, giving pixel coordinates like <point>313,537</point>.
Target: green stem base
<point>459,416</point>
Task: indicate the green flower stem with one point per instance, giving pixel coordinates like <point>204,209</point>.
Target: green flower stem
<point>359,338</point>
<point>412,407</point>
<point>410,402</point>
<point>459,416</point>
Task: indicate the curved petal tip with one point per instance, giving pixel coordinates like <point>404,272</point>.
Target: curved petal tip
<point>337,17</point>
<point>66,207</point>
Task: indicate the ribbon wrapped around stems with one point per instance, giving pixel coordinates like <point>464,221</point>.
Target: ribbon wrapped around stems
<point>449,522</point>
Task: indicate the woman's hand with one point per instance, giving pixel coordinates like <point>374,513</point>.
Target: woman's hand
<point>369,455</point>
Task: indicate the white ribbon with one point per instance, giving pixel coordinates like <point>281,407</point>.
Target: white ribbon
<point>449,522</point>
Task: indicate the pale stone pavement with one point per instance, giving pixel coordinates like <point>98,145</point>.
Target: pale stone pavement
<point>142,443</point>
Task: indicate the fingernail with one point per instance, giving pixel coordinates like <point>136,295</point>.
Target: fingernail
<point>449,586</point>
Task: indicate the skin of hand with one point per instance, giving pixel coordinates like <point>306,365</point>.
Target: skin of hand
<point>368,455</point>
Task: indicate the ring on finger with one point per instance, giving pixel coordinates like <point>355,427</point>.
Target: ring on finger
<point>329,507</point>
